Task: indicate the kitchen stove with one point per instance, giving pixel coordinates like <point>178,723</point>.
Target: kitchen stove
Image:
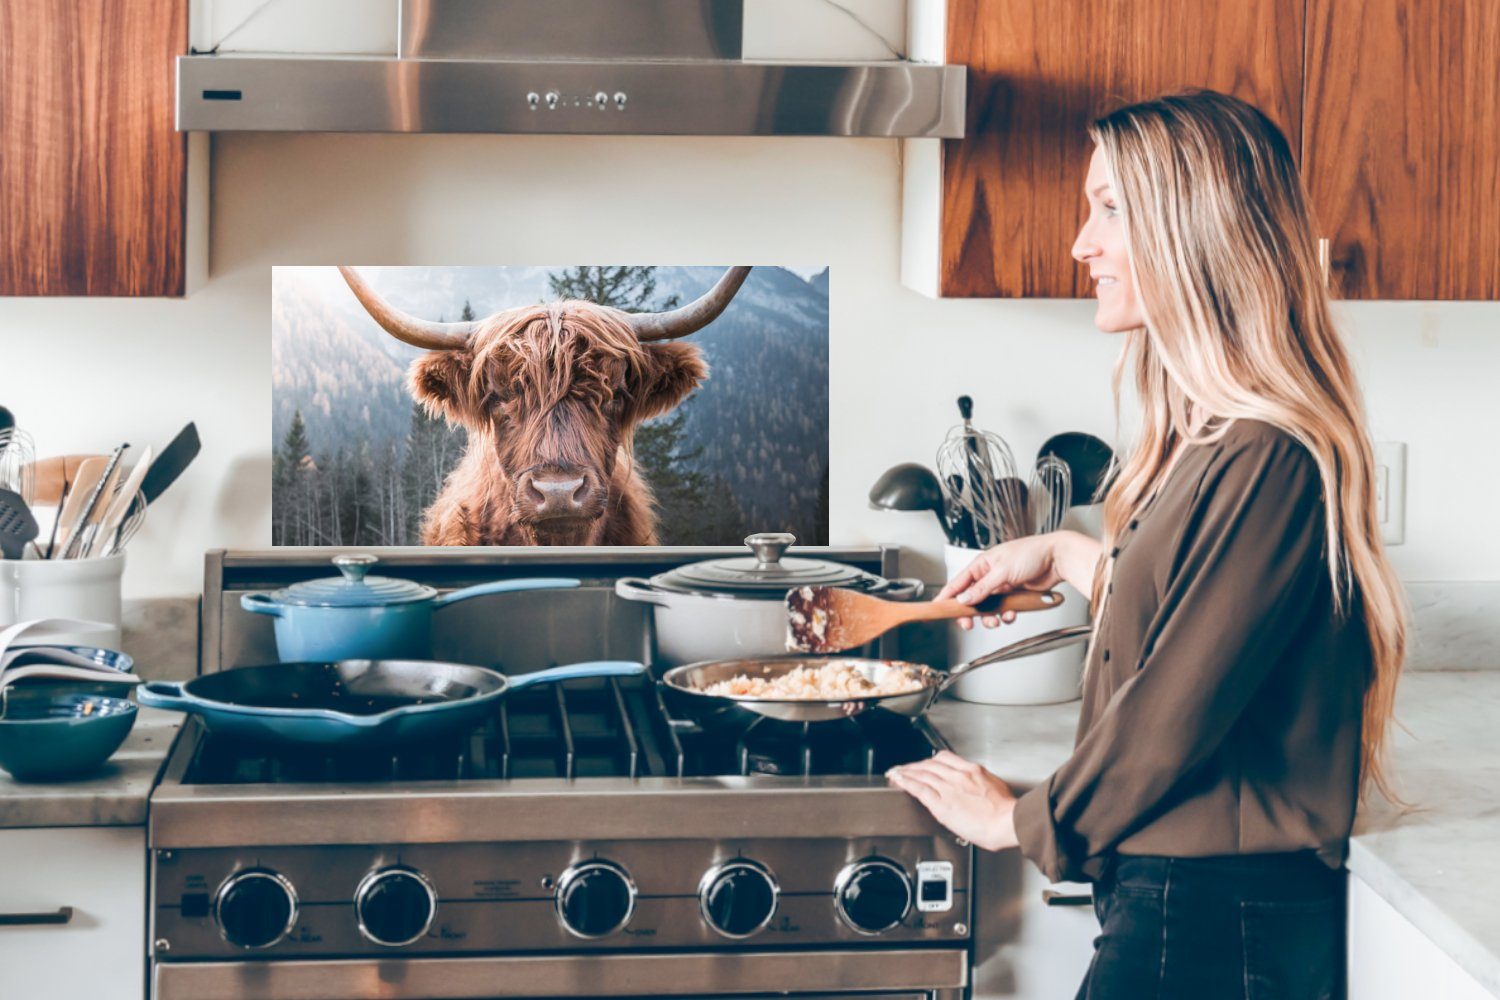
<point>581,842</point>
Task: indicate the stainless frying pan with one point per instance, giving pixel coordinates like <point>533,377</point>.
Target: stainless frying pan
<point>686,687</point>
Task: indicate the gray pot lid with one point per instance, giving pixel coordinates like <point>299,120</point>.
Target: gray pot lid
<point>766,575</point>
<point>353,589</point>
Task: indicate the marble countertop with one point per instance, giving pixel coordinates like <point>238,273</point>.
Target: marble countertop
<point>1435,861</point>
<point>116,796</point>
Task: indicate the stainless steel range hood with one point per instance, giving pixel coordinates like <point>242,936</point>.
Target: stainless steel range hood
<point>586,67</point>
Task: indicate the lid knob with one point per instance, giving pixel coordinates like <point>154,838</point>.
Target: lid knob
<point>769,546</point>
<point>354,567</point>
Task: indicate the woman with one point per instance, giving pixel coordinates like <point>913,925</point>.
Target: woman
<point>1249,630</point>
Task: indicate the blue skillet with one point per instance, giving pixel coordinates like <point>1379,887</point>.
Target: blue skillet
<point>354,702</point>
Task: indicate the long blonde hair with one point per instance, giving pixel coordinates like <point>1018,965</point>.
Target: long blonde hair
<point>1238,325</point>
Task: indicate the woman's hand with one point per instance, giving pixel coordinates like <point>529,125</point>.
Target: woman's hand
<point>1036,562</point>
<point>1021,564</point>
<point>962,796</point>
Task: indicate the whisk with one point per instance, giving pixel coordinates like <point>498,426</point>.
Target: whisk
<point>978,473</point>
<point>18,463</point>
<point>1050,494</point>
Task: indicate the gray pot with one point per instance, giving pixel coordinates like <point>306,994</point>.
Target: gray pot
<point>726,608</point>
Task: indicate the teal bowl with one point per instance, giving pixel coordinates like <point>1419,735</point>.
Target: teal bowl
<point>43,738</point>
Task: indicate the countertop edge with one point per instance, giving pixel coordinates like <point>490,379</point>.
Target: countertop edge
<point>1450,937</point>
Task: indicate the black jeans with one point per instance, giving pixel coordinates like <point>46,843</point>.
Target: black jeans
<point>1256,926</point>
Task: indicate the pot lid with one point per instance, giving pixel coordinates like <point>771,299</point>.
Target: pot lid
<point>353,589</point>
<point>764,575</point>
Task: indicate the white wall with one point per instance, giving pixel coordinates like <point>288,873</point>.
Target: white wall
<point>86,374</point>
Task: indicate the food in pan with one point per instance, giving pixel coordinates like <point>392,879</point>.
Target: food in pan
<point>837,680</point>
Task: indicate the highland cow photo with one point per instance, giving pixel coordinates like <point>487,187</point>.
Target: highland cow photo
<point>549,405</point>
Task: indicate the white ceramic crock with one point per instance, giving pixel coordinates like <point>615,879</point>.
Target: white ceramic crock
<point>84,589</point>
<point>1043,679</point>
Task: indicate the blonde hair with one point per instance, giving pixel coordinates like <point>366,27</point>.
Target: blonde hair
<point>1238,325</point>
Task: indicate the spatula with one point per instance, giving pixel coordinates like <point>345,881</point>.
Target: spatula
<point>833,619</point>
<point>17,526</point>
<point>79,490</point>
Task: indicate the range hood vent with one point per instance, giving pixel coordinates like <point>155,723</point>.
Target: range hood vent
<point>560,67</point>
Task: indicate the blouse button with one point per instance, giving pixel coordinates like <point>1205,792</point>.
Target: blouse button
<point>1134,524</point>
<point>1114,551</point>
<point>1106,656</point>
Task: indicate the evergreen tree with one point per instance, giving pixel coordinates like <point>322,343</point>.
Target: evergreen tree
<point>468,311</point>
<point>632,289</point>
<point>290,485</point>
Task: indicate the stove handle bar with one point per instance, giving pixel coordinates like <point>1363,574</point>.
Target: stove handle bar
<point>63,915</point>
<point>1053,897</point>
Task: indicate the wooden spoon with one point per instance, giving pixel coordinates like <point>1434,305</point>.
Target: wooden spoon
<point>81,486</point>
<point>832,619</point>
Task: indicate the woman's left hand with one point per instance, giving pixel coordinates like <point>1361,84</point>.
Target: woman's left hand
<point>962,796</point>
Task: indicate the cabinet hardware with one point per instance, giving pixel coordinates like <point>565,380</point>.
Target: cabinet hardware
<point>63,915</point>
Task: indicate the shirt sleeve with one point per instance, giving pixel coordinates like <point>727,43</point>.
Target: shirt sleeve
<point>1245,575</point>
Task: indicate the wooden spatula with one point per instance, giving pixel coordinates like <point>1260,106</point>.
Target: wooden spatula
<point>832,619</point>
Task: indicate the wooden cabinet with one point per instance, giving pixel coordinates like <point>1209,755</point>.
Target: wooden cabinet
<point>93,176</point>
<point>97,875</point>
<point>1390,104</point>
<point>1011,192</point>
<point>1401,150</point>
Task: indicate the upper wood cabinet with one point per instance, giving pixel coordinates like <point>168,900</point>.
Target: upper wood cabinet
<point>1401,145</point>
<point>1012,190</point>
<point>93,176</point>
<point>1394,124</point>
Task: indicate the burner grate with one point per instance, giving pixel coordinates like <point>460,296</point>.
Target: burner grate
<point>586,728</point>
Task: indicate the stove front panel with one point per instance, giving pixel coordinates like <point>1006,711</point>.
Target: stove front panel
<point>503,898</point>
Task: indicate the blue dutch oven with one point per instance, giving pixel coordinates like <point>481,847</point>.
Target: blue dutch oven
<point>359,617</point>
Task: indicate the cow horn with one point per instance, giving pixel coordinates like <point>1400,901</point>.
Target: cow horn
<point>406,328</point>
<point>695,315</point>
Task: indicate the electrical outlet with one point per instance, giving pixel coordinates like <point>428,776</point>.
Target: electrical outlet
<point>1390,490</point>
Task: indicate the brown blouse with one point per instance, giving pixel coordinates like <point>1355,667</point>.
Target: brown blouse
<point>1222,699</point>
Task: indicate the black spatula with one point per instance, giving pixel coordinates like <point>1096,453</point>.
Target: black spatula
<point>174,458</point>
<point>17,526</point>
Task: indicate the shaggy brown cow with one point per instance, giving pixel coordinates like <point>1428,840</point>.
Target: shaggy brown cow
<point>551,396</point>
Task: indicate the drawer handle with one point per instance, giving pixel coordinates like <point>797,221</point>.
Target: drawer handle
<point>63,915</point>
<point>1054,898</point>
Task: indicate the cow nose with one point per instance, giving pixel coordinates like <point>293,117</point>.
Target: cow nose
<point>557,494</point>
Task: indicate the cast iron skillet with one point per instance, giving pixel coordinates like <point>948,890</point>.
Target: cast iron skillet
<point>354,702</point>
<point>684,687</point>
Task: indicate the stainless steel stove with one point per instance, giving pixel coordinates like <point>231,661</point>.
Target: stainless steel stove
<point>582,842</point>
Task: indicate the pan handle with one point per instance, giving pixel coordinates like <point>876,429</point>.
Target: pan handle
<point>506,587</point>
<point>1046,642</point>
<point>594,668</point>
<point>164,694</point>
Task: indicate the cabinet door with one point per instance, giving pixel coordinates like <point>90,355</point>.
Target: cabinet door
<point>93,185</point>
<point>1390,959</point>
<point>99,874</point>
<point>1402,153</point>
<point>1038,73</point>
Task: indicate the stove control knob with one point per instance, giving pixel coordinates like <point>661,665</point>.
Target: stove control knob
<point>395,906</point>
<point>255,908</point>
<point>738,898</point>
<point>595,898</point>
<point>873,895</point>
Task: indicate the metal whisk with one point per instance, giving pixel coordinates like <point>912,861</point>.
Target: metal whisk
<point>1050,494</point>
<point>978,475</point>
<point>18,463</point>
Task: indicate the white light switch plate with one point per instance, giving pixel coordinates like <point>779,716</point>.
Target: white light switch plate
<point>1390,490</point>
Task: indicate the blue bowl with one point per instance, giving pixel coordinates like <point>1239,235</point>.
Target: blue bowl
<point>61,736</point>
